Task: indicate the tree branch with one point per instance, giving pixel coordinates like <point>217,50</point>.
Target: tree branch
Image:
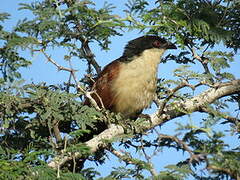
<point>184,146</point>
<point>178,109</point>
<point>224,170</point>
<point>89,56</point>
<point>56,131</point>
<point>129,160</point>
<point>72,73</point>
<point>204,62</point>
<point>87,52</point>
<point>60,68</point>
<point>230,119</point>
<point>171,94</point>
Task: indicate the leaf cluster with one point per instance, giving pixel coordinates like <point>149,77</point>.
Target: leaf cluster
<point>190,22</point>
<point>29,116</point>
<point>10,59</point>
<point>61,23</point>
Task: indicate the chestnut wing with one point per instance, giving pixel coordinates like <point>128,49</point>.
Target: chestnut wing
<point>103,85</point>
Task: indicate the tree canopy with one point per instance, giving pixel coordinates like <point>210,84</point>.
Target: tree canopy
<point>42,124</point>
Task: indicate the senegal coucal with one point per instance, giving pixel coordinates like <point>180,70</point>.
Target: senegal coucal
<point>128,84</point>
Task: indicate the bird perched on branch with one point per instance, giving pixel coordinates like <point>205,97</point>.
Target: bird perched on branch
<point>128,84</point>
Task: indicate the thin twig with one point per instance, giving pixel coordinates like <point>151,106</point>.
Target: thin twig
<point>126,158</point>
<point>165,101</point>
<point>206,48</point>
<point>56,131</point>
<point>74,163</point>
<point>148,158</point>
<point>62,155</point>
<point>203,62</point>
<point>224,14</point>
<point>214,112</point>
<point>55,63</point>
<point>184,146</point>
<point>58,171</point>
<point>71,70</point>
<point>234,175</point>
<point>73,74</point>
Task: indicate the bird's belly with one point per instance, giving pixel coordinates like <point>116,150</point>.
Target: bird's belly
<point>134,91</point>
<point>133,98</point>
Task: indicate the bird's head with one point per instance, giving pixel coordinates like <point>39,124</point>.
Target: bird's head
<point>137,46</point>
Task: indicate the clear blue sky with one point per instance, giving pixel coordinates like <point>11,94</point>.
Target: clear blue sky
<point>41,71</point>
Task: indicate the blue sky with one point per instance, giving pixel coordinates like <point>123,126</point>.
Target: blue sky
<point>41,71</point>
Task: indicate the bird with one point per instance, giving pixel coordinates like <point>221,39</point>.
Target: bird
<point>128,84</point>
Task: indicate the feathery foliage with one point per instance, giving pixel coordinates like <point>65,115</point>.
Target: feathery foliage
<point>41,121</point>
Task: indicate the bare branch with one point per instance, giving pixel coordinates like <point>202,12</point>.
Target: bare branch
<point>125,157</point>
<point>72,72</point>
<point>90,56</point>
<point>92,101</point>
<point>152,170</point>
<point>224,14</point>
<point>60,68</point>
<point>148,158</point>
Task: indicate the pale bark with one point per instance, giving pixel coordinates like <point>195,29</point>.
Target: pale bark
<point>179,108</point>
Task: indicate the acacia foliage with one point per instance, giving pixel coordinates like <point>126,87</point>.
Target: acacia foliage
<point>35,117</point>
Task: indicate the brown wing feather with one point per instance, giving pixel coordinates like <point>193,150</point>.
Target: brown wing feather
<point>103,85</point>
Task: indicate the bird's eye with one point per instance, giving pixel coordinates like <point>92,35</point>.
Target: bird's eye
<point>156,44</point>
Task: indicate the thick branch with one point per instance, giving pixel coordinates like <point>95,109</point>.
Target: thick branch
<point>90,56</point>
<point>172,111</point>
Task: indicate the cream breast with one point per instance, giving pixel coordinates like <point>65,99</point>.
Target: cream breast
<point>135,86</point>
